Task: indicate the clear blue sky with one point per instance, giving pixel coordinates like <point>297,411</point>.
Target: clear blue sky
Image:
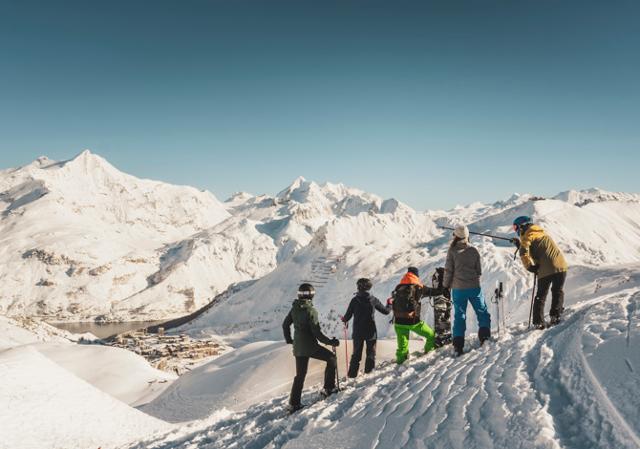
<point>434,103</point>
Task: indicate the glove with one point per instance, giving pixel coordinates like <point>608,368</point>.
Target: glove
<point>390,301</point>
<point>533,269</point>
<point>516,242</point>
<point>335,342</point>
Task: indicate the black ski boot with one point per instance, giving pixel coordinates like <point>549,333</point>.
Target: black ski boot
<point>484,333</point>
<point>540,326</point>
<point>326,393</point>
<point>554,320</point>
<point>458,345</point>
<point>291,409</point>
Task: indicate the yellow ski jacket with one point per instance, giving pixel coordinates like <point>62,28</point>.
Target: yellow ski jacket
<point>537,248</point>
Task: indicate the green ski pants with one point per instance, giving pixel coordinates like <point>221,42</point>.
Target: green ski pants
<point>402,334</point>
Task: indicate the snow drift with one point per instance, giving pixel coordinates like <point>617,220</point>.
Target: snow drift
<point>46,406</point>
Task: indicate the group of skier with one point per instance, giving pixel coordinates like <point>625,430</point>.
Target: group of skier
<point>460,283</point>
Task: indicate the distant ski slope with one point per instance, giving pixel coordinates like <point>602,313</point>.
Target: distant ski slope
<point>560,388</point>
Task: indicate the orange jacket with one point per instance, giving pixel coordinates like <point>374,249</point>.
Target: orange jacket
<point>411,278</point>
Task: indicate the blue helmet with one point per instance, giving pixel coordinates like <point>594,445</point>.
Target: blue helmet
<point>521,221</point>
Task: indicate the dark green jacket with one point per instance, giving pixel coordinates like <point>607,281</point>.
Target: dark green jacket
<point>304,318</point>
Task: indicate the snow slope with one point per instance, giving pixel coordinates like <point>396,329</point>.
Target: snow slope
<point>120,373</point>
<point>249,375</point>
<point>572,386</point>
<point>45,406</point>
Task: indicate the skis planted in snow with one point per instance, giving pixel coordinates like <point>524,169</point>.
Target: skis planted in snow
<point>441,310</point>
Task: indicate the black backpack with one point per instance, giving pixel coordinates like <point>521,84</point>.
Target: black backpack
<point>404,300</point>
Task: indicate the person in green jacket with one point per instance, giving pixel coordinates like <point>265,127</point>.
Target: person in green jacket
<point>540,255</point>
<point>304,318</point>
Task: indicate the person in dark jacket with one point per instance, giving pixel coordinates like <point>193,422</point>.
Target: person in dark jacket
<point>362,308</point>
<point>304,318</point>
<point>406,313</point>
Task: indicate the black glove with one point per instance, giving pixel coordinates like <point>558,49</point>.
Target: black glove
<point>289,342</point>
<point>516,242</point>
<point>533,269</point>
<point>335,342</point>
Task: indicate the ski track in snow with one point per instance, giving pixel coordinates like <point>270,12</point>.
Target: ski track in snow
<point>527,390</point>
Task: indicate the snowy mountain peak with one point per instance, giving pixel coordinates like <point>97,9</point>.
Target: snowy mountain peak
<point>581,198</point>
<point>88,163</point>
<point>239,197</point>
<point>298,182</point>
<point>298,190</point>
<point>86,153</point>
<point>43,161</point>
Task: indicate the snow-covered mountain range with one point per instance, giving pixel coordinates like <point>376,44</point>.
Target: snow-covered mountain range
<point>81,240</point>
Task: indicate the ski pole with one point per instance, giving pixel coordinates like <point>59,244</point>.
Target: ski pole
<point>479,233</point>
<point>335,355</point>
<point>533,295</point>
<point>346,349</point>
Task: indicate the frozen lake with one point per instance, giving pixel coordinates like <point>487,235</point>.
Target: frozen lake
<point>103,330</point>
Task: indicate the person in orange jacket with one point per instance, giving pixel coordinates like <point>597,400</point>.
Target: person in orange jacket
<point>405,300</point>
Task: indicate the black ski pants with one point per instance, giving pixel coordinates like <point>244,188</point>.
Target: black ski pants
<point>556,283</point>
<point>302,364</point>
<point>370,360</point>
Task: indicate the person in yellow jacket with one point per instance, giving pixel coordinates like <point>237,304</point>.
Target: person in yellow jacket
<point>540,255</point>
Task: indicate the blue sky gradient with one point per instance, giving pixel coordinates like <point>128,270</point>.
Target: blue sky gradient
<point>434,103</point>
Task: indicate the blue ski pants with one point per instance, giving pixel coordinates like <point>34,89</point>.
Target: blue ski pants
<point>460,298</point>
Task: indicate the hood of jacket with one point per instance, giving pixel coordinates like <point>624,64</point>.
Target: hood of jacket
<point>534,232</point>
<point>302,303</point>
<point>363,297</point>
<point>411,278</point>
<point>462,244</point>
